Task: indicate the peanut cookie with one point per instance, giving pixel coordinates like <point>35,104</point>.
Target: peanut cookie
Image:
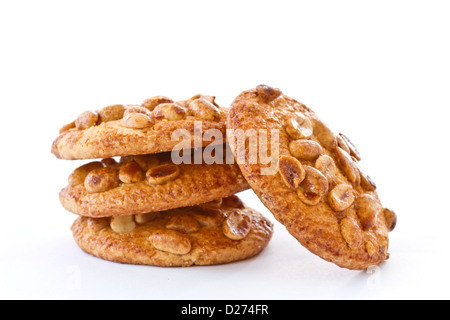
<point>122,130</point>
<point>318,189</point>
<point>216,233</point>
<point>147,183</point>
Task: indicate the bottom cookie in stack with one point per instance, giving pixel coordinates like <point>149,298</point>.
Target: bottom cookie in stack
<point>218,232</point>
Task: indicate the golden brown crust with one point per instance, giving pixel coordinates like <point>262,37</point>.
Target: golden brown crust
<point>153,184</point>
<point>167,239</point>
<point>122,130</point>
<point>330,206</point>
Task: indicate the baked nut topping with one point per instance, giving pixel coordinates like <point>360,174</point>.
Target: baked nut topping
<point>162,174</point>
<point>315,181</point>
<point>147,161</point>
<point>102,179</point>
<point>291,171</point>
<point>232,202</point>
<point>170,241</point>
<point>313,187</point>
<point>86,120</point>
<point>169,111</point>
<point>348,166</point>
<point>366,182</point>
<point>371,248</point>
<point>308,198</point>
<point>351,232</point>
<point>342,144</point>
<point>353,151</point>
<point>341,197</point>
<point>207,217</point>
<point>67,127</point>
<point>183,223</point>
<point>153,102</point>
<point>211,99</point>
<point>327,166</point>
<point>204,110</point>
<point>123,224</point>
<point>97,225</point>
<point>324,134</point>
<point>367,209</point>
<point>108,162</point>
<point>145,217</point>
<point>137,109</point>
<point>79,174</point>
<point>268,93</point>
<point>131,172</point>
<point>391,219</point>
<point>236,226</point>
<point>136,121</point>
<point>111,113</point>
<point>299,127</point>
<point>305,149</point>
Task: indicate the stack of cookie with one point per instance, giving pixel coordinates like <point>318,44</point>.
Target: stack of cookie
<point>147,209</point>
<point>137,206</point>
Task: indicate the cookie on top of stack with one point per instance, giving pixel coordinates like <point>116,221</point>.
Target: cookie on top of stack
<point>137,206</point>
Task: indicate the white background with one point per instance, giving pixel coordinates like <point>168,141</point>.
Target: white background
<point>375,70</point>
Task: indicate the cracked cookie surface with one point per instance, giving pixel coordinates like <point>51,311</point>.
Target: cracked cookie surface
<point>219,232</point>
<point>319,191</point>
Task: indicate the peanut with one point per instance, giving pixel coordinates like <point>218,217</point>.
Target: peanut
<point>153,102</point>
<point>237,226</point>
<point>351,232</point>
<point>305,149</point>
<point>171,241</point>
<point>86,120</point>
<point>367,209</point>
<point>299,127</point>
<point>102,179</point>
<point>123,224</point>
<point>183,223</point>
<point>341,197</point>
<point>169,111</point>
<point>204,110</point>
<point>162,174</point>
<point>291,171</point>
<point>79,175</point>
<point>111,113</point>
<point>131,172</point>
<point>267,93</point>
<point>136,121</point>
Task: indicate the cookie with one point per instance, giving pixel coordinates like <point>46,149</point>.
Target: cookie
<point>148,183</point>
<point>216,233</point>
<point>314,184</point>
<point>122,130</point>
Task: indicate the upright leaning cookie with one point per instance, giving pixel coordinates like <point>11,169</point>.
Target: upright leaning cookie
<point>122,130</point>
<point>217,233</point>
<point>318,190</point>
<point>147,183</point>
